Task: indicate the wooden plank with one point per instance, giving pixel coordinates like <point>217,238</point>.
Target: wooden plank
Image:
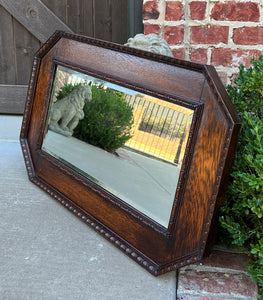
<point>135,24</point>
<point>110,20</point>
<point>138,24</point>
<point>12,99</point>
<point>58,7</point>
<point>80,16</point>
<point>119,11</point>
<point>26,45</point>
<point>35,16</point>
<point>7,58</point>
<point>103,20</point>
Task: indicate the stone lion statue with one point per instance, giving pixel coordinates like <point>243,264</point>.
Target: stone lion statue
<point>66,113</point>
<point>150,42</point>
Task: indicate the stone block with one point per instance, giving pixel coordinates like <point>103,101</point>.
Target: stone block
<point>174,34</point>
<point>174,11</point>
<point>179,53</point>
<point>198,55</point>
<point>222,275</point>
<point>214,34</point>
<point>232,58</point>
<point>235,11</point>
<point>150,10</point>
<point>150,28</point>
<point>226,260</point>
<point>197,10</point>
<point>216,285</point>
<point>248,35</point>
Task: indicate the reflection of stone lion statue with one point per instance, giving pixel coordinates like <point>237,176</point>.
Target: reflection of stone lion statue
<point>66,113</point>
<point>150,42</point>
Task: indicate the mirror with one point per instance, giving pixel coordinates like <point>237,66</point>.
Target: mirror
<point>137,145</point>
<point>119,138</point>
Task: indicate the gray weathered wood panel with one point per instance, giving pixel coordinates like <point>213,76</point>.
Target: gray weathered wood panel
<point>80,16</point>
<point>25,24</point>
<point>25,47</point>
<point>102,20</point>
<point>59,8</point>
<point>119,20</point>
<point>7,58</point>
<point>12,99</point>
<point>35,16</point>
<point>110,21</point>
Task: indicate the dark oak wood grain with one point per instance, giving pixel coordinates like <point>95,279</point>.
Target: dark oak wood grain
<point>209,152</point>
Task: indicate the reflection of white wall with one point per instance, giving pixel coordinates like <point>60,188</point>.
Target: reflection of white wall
<point>144,183</point>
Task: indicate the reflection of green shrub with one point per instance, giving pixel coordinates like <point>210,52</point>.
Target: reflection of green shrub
<point>108,120</point>
<point>242,214</point>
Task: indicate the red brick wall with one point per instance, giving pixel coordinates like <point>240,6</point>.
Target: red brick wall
<point>221,33</point>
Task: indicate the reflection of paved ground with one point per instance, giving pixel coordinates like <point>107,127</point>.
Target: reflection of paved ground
<point>147,184</point>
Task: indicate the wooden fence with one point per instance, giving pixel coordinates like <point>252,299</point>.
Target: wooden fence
<point>26,24</point>
<point>160,128</point>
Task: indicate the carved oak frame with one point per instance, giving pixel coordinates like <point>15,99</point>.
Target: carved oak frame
<point>207,162</point>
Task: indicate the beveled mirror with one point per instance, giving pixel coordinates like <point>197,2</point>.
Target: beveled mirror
<point>138,145</point>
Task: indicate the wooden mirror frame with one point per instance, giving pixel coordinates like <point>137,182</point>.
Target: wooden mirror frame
<point>206,165</point>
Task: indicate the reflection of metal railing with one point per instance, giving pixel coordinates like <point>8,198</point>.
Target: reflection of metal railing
<point>160,128</point>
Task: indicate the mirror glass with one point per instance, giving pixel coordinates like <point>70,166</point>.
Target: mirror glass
<point>129,143</point>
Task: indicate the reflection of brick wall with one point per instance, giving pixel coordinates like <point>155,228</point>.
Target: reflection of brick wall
<point>221,33</point>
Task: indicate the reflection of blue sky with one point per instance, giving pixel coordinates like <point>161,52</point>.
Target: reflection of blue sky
<point>120,88</point>
<point>116,87</point>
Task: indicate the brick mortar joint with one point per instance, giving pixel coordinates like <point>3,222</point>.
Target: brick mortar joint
<point>162,8</point>
<point>186,12</point>
<point>209,55</point>
<point>188,23</point>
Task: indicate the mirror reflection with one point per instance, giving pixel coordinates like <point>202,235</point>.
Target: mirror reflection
<point>129,143</point>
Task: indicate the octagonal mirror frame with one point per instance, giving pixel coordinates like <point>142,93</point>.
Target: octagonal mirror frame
<point>207,162</point>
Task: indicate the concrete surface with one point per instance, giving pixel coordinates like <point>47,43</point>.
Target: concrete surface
<point>48,253</point>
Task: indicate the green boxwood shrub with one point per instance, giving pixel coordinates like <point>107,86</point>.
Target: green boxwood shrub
<point>108,120</point>
<point>242,214</point>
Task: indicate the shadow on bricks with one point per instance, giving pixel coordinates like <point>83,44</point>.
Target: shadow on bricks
<point>222,275</point>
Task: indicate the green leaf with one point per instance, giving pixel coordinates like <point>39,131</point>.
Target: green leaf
<point>241,216</point>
